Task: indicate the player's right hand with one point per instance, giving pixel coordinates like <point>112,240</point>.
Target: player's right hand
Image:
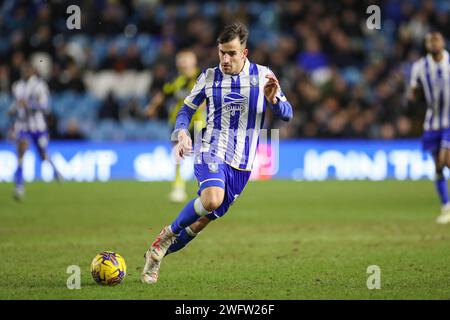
<point>184,145</point>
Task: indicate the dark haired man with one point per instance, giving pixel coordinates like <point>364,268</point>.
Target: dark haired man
<point>236,93</point>
<point>432,75</point>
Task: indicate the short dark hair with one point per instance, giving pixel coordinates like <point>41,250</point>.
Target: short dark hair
<point>434,32</point>
<point>233,31</point>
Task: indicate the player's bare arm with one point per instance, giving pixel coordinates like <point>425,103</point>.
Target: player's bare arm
<point>151,111</point>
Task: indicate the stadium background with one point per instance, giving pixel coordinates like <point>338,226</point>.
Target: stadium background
<point>343,80</point>
<point>283,239</point>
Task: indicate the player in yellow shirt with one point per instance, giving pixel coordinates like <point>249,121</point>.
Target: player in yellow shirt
<point>172,97</point>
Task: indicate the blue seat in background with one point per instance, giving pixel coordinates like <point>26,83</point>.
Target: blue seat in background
<point>5,101</point>
<point>122,43</point>
<point>87,106</point>
<point>80,39</point>
<point>144,42</point>
<point>63,104</point>
<point>156,130</point>
<point>59,104</point>
<point>107,130</point>
<point>351,75</point>
<point>164,130</point>
<point>100,48</point>
<point>4,123</point>
<point>131,129</point>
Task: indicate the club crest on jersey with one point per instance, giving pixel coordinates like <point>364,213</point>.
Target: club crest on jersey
<point>233,101</point>
<point>254,80</point>
<point>213,167</point>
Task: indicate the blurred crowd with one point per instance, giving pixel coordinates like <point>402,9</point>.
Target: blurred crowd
<point>343,79</point>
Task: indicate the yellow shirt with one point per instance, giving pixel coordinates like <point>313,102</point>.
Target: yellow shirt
<point>180,89</point>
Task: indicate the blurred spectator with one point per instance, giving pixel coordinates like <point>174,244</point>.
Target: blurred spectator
<point>114,60</point>
<point>41,40</point>
<point>61,57</point>
<point>71,79</point>
<point>72,131</point>
<point>109,108</point>
<point>112,18</point>
<point>342,79</point>
<point>132,111</point>
<point>17,60</point>
<point>160,77</point>
<point>133,58</point>
<point>54,82</point>
<point>312,58</point>
<point>52,126</point>
<point>5,85</point>
<point>147,22</point>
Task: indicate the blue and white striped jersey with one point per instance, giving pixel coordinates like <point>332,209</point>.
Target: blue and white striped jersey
<point>435,80</point>
<point>236,107</point>
<point>34,92</point>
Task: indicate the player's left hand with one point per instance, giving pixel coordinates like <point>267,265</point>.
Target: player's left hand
<point>271,88</point>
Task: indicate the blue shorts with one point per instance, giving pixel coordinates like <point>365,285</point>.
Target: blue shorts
<point>224,176</point>
<point>434,140</point>
<point>40,139</point>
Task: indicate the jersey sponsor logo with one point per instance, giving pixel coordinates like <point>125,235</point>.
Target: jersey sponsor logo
<point>234,101</point>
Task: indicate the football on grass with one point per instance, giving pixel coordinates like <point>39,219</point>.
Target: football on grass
<point>108,268</point>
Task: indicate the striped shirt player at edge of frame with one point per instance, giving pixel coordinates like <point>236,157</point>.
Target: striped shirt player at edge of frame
<point>431,74</point>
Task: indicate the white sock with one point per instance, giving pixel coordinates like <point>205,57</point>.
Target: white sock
<point>190,232</point>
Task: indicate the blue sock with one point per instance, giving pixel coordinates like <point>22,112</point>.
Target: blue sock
<point>183,238</point>
<point>185,218</point>
<point>441,187</point>
<point>18,177</point>
<point>55,171</point>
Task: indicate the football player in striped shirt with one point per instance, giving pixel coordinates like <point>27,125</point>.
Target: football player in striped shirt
<point>432,75</point>
<point>236,94</point>
<point>31,103</point>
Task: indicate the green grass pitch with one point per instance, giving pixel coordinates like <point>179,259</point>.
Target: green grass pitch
<point>281,240</point>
